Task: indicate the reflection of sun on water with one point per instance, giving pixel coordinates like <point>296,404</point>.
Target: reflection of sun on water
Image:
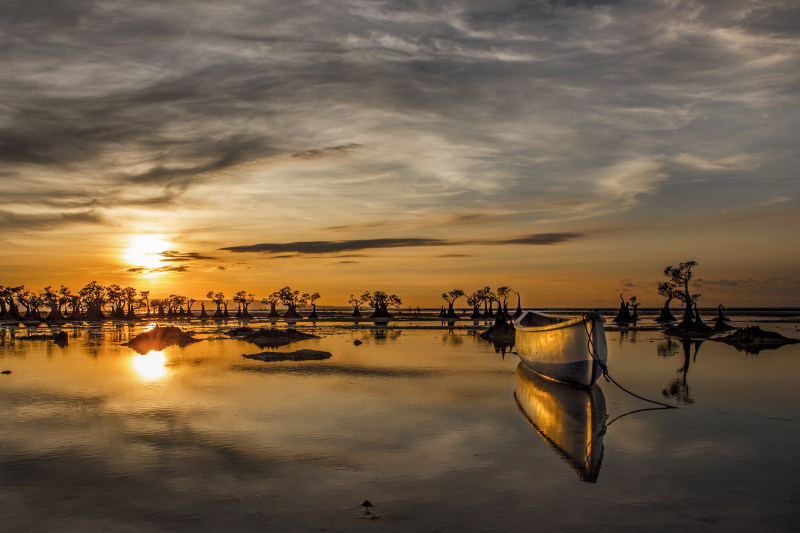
<point>150,366</point>
<point>144,251</point>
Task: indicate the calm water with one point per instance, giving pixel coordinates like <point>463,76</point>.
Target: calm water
<point>435,428</point>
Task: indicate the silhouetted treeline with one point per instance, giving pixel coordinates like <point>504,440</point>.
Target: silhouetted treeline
<point>95,302</point>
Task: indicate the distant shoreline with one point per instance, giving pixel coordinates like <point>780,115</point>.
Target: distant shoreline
<point>344,314</point>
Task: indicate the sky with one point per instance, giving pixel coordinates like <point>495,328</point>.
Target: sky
<point>568,149</point>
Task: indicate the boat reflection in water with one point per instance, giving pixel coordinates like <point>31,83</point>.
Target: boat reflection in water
<point>570,419</point>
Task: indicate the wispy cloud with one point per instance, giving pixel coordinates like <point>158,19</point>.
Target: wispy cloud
<point>317,153</point>
<point>326,247</point>
<point>159,270</point>
<point>401,117</point>
<point>176,256</point>
<point>17,221</point>
<point>538,239</point>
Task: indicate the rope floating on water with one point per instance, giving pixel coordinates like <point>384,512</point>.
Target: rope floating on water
<point>612,380</point>
<point>604,368</point>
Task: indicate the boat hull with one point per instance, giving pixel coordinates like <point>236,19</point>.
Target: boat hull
<point>568,349</point>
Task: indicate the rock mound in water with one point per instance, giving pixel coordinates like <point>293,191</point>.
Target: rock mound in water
<point>501,332</point>
<point>159,338</point>
<point>269,338</point>
<point>61,338</point>
<point>753,339</point>
<point>299,355</point>
<point>690,330</point>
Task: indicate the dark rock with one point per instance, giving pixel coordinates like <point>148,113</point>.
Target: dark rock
<point>159,338</point>
<point>299,355</point>
<point>753,339</point>
<point>61,338</point>
<point>357,342</point>
<point>691,330</point>
<point>501,333</point>
<point>269,338</point>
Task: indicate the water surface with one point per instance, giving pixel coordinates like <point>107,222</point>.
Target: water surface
<point>428,425</point>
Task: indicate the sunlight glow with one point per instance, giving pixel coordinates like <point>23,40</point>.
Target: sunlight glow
<point>151,366</point>
<point>145,250</point>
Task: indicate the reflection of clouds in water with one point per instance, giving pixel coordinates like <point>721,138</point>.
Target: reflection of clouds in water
<point>151,366</point>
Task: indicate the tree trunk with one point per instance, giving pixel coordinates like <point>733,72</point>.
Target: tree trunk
<point>55,315</point>
<point>623,315</point>
<point>666,314</point>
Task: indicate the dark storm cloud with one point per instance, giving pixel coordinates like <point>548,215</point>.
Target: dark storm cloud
<point>324,247</point>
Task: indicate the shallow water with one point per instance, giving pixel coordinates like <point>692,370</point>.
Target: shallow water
<point>425,424</point>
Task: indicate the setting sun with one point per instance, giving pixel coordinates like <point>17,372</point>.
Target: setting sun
<point>145,250</point>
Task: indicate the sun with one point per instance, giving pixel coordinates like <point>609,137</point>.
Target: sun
<point>144,250</point>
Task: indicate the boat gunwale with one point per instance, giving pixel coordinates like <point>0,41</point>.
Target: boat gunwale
<point>564,321</point>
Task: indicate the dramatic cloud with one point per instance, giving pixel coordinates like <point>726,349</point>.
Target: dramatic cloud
<point>324,247</point>
<point>495,99</point>
<point>275,121</point>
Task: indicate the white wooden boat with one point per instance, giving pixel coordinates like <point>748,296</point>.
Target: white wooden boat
<point>565,348</point>
<point>570,419</point>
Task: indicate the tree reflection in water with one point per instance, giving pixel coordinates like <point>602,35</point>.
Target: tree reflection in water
<point>381,334</point>
<point>679,387</point>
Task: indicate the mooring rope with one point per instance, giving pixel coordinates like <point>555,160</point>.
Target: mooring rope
<point>593,352</point>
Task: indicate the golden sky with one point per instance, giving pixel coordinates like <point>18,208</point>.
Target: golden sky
<point>569,150</point>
